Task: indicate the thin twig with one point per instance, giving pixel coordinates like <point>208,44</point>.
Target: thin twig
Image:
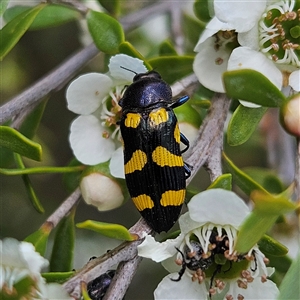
<point>124,252</point>
<point>207,150</point>
<point>57,78</point>
<point>65,208</point>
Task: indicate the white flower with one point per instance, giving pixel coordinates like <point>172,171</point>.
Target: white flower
<point>259,35</point>
<point>204,251</point>
<point>94,134</point>
<point>19,261</point>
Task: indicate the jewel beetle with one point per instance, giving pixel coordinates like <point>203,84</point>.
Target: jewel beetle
<point>154,169</point>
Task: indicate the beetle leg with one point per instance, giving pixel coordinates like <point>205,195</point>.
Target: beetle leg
<point>182,270</point>
<point>180,101</point>
<point>184,141</point>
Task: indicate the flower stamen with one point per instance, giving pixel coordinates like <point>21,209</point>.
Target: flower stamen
<point>278,33</point>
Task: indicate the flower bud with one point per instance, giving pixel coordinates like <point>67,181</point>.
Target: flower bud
<point>290,116</point>
<point>100,189</point>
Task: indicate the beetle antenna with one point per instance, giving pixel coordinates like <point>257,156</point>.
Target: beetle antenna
<point>129,70</point>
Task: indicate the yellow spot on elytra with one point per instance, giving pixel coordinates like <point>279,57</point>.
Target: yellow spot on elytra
<point>162,157</point>
<point>132,120</point>
<point>175,198</point>
<point>136,162</point>
<point>177,134</point>
<point>142,201</point>
<point>158,116</point>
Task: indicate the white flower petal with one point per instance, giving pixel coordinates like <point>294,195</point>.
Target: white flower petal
<point>185,289</point>
<point>250,38</point>
<point>241,15</point>
<point>159,251</point>
<point>116,164</point>
<point>53,291</point>
<point>121,60</point>
<point>213,26</point>
<point>87,141</point>
<point>84,94</point>
<point>218,206</point>
<point>294,80</point>
<point>246,58</point>
<point>209,65</point>
<point>249,104</point>
<point>186,224</point>
<point>170,265</point>
<point>255,290</point>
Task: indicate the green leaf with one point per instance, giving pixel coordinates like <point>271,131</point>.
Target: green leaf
<point>16,142</point>
<point>243,123</point>
<point>167,48</point>
<point>172,68</point>
<point>3,6</point>
<point>29,188</point>
<point>270,246</point>
<point>186,113</point>
<point>265,213</point>
<point>224,181</point>
<point>32,122</point>
<point>112,6</point>
<point>106,32</point>
<point>63,248</point>
<point>192,29</point>
<point>39,238</point>
<point>15,29</point>
<point>252,86</point>
<point>244,181</point>
<point>266,178</point>
<point>59,277</point>
<point>71,180</point>
<point>114,231</point>
<point>290,287</point>
<point>202,9</point>
<point>128,49</point>
<point>52,15</point>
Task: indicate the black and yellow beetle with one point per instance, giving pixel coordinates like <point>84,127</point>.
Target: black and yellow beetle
<point>154,169</point>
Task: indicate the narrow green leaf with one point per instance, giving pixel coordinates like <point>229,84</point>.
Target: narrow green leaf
<point>245,182</point>
<point>222,182</point>
<point>266,178</point>
<point>243,123</point>
<point>29,188</point>
<point>290,287</point>
<point>252,86</point>
<point>39,238</point>
<point>270,246</point>
<point>251,231</point>
<point>106,32</point>
<point>166,48</point>
<point>186,113</point>
<point>272,204</point>
<point>3,6</point>
<point>16,142</point>
<point>202,9</point>
<point>112,6</point>
<point>114,231</point>
<point>265,213</point>
<point>59,277</point>
<point>52,15</point>
<point>84,292</point>
<point>128,49</point>
<point>172,68</point>
<point>15,29</point>
<point>63,248</point>
<point>192,29</point>
<point>32,122</point>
